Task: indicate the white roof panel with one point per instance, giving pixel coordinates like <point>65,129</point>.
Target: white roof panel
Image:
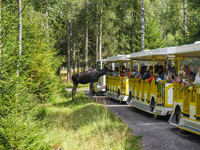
<point>191,50</point>
<point>118,58</point>
<point>160,53</point>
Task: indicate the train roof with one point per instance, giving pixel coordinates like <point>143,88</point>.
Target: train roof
<point>121,58</point>
<point>101,60</point>
<point>159,54</point>
<point>187,51</point>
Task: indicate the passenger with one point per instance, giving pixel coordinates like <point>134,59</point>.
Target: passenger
<point>121,69</point>
<point>115,73</point>
<point>123,74</point>
<point>160,71</point>
<point>133,73</point>
<point>140,74</point>
<point>151,78</point>
<point>156,68</point>
<point>156,78</point>
<point>147,74</point>
<point>197,78</point>
<point>128,72</point>
<point>162,75</point>
<point>181,78</point>
<point>189,74</point>
<point>111,69</point>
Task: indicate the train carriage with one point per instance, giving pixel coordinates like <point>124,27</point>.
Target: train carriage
<point>100,86</point>
<point>153,98</point>
<point>117,87</point>
<point>186,100</point>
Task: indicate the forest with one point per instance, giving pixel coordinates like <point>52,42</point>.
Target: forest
<point>37,37</point>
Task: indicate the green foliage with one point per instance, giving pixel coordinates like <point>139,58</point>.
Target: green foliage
<point>84,124</point>
<point>153,38</point>
<point>27,79</point>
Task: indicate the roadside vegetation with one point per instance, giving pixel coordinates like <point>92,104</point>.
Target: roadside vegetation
<point>85,124</point>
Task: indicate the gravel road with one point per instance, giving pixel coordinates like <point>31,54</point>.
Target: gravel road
<point>157,134</point>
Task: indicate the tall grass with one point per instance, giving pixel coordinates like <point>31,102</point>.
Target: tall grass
<point>85,124</point>
<point>82,86</point>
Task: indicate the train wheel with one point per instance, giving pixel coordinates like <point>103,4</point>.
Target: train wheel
<point>129,97</point>
<point>152,105</point>
<point>118,93</point>
<point>178,115</point>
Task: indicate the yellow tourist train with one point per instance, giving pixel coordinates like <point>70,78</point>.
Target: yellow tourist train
<point>155,98</point>
<point>161,98</point>
<point>186,100</point>
<point>116,86</point>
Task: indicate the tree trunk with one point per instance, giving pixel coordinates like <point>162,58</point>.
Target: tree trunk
<point>86,37</point>
<point>20,26</point>
<point>47,22</point>
<point>100,37</point>
<point>97,38</point>
<point>68,52</point>
<point>185,17</point>
<point>132,34</point>
<point>19,32</point>
<point>0,40</point>
<point>142,26</point>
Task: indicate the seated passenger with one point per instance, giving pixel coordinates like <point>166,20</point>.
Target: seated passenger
<point>133,73</point>
<point>180,79</point>
<point>123,74</point>
<point>151,78</point>
<point>127,74</point>
<point>111,70</point>
<point>156,78</point>
<point>197,78</point>
<point>115,73</point>
<point>140,74</point>
<point>189,74</point>
<point>146,75</point>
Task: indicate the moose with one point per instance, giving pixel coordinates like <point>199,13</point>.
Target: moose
<point>85,77</point>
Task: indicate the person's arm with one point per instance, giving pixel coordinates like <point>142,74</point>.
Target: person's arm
<point>149,80</point>
<point>137,75</point>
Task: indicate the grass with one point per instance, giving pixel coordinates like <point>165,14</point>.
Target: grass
<point>82,86</point>
<point>86,125</point>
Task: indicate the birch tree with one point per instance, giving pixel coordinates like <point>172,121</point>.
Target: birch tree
<point>19,32</point>
<point>97,38</point>
<point>68,51</point>
<point>185,17</point>
<point>20,26</point>
<point>0,40</point>
<point>100,35</point>
<point>142,25</point>
<point>86,37</point>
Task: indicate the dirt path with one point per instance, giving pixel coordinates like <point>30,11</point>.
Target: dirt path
<point>157,134</point>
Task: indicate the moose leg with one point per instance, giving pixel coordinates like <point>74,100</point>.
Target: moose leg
<point>91,88</point>
<point>74,92</point>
